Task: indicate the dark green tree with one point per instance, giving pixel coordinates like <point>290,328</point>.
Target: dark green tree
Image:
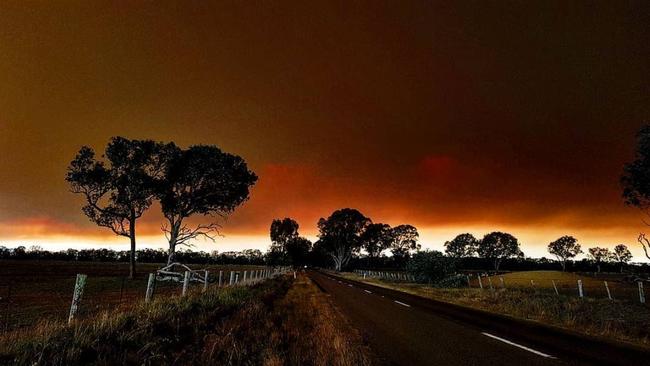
<point>204,181</point>
<point>463,245</point>
<point>599,255</point>
<point>340,235</point>
<point>375,239</point>
<point>622,255</point>
<point>497,246</point>
<point>119,188</point>
<point>635,181</point>
<point>564,248</point>
<point>405,240</point>
<point>287,246</point>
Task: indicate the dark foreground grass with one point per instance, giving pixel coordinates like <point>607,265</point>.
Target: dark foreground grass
<point>277,322</point>
<point>621,320</point>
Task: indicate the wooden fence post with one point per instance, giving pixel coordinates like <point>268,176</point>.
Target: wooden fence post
<point>641,293</point>
<point>469,284</point>
<point>490,282</point>
<point>232,278</point>
<point>244,278</point>
<point>480,283</point>
<point>205,281</point>
<point>555,288</point>
<point>236,277</point>
<point>609,294</point>
<point>186,282</point>
<point>150,285</point>
<point>580,293</point>
<point>79,285</point>
<point>220,277</point>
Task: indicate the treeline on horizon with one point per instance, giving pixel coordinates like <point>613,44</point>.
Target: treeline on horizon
<point>257,257</point>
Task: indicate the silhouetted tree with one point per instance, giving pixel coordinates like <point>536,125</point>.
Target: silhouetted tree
<point>375,239</point>
<point>405,240</point>
<point>282,232</point>
<point>121,188</point>
<point>463,245</point>
<point>202,180</point>
<point>599,255</point>
<point>564,248</point>
<point>622,255</point>
<point>635,181</point>
<point>298,251</point>
<point>340,235</point>
<point>497,246</point>
<point>287,246</point>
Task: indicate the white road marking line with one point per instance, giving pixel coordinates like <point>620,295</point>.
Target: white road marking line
<point>403,304</point>
<point>368,291</point>
<point>518,345</point>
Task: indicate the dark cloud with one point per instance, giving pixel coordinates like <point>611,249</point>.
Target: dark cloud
<point>501,113</point>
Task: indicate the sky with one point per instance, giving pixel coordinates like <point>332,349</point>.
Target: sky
<point>451,116</point>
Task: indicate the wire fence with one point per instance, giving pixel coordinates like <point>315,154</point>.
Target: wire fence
<point>609,286</point>
<point>27,302</point>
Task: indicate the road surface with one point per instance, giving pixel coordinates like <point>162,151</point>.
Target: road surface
<point>404,329</point>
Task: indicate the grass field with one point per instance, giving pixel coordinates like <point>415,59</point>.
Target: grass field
<point>566,283</point>
<point>33,290</point>
<point>281,321</point>
<point>624,318</point>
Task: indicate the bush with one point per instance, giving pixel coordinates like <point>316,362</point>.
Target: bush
<point>430,267</point>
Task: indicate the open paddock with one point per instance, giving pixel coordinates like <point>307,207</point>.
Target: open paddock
<point>32,290</point>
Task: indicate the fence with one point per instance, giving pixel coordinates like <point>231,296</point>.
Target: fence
<point>384,275</point>
<point>26,301</point>
<point>610,287</point>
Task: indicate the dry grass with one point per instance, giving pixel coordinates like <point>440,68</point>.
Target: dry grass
<point>303,328</point>
<point>622,320</point>
<point>272,323</point>
<point>167,331</point>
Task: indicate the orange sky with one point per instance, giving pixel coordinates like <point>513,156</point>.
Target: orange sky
<point>453,118</point>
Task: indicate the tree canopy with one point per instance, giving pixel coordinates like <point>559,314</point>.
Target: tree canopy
<point>497,246</point>
<point>287,246</point>
<point>405,240</point>
<point>376,238</point>
<point>119,188</point>
<point>200,180</point>
<point>635,180</point>
<point>463,245</point>
<point>564,248</point>
<point>340,234</point>
<point>599,255</point>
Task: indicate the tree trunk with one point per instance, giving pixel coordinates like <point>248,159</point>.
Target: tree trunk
<point>132,254</point>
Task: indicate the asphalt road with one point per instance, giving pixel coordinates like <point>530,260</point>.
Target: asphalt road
<point>404,329</point>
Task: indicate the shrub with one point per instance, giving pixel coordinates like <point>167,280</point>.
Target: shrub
<point>430,266</point>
